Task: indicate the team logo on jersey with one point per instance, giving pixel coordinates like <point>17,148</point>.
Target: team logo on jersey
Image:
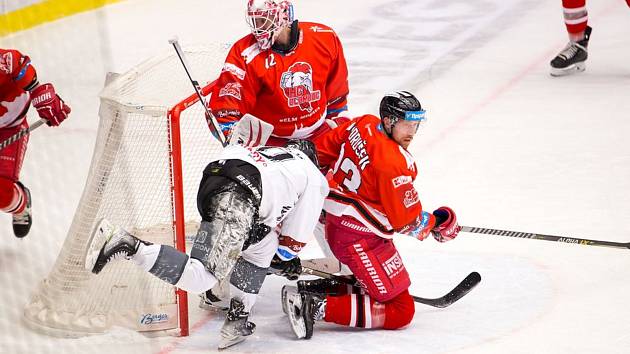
<point>400,180</point>
<point>231,89</point>
<point>297,85</point>
<point>6,63</point>
<point>411,198</point>
<point>320,29</point>
<point>234,70</point>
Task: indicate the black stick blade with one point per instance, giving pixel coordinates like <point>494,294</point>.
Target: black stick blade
<point>463,288</point>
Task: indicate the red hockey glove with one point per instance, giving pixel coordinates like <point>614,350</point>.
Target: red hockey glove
<point>49,105</point>
<point>446,227</point>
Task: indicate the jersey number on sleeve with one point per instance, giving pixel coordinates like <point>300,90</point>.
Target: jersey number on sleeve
<point>352,180</point>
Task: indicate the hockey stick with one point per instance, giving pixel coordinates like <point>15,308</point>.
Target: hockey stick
<point>565,239</point>
<point>463,288</point>
<point>214,125</point>
<point>17,136</point>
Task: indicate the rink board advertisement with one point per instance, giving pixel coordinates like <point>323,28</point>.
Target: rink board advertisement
<point>22,14</point>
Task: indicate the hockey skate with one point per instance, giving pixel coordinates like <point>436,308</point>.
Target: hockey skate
<point>209,301</point>
<point>108,242</point>
<point>287,290</point>
<point>572,58</point>
<point>304,310</point>
<point>236,327</point>
<point>22,221</point>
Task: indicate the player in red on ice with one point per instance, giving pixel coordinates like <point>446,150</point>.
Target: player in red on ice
<point>290,74</point>
<point>287,73</point>
<point>372,196</point>
<point>19,88</point>
<point>573,57</point>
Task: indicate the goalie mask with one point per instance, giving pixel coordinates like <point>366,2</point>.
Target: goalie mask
<point>266,18</point>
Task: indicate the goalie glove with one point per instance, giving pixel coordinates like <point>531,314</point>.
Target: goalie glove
<point>290,269</point>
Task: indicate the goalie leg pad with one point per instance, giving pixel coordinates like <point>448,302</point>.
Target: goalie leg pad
<point>169,265</point>
<point>220,239</point>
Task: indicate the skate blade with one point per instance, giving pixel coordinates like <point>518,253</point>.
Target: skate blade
<point>227,342</point>
<point>571,69</point>
<point>99,237</point>
<point>287,290</point>
<point>295,316</point>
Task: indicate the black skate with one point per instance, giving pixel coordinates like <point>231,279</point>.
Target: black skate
<point>210,301</point>
<point>236,327</point>
<point>572,58</point>
<point>304,310</point>
<point>108,242</point>
<point>22,222</point>
<point>320,286</point>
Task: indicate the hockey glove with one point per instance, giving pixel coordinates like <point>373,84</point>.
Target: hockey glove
<point>422,226</point>
<point>49,105</point>
<point>289,269</point>
<point>446,227</point>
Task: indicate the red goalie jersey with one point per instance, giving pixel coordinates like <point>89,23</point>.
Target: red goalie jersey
<point>293,91</point>
<point>17,77</point>
<point>374,176</point>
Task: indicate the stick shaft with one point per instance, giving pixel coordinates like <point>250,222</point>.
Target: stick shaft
<point>17,136</point>
<point>534,236</point>
<point>214,125</point>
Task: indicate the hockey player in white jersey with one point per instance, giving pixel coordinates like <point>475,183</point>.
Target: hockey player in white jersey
<point>256,204</point>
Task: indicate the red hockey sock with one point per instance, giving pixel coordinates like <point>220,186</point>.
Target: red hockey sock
<point>575,18</point>
<point>12,197</point>
<point>356,310</point>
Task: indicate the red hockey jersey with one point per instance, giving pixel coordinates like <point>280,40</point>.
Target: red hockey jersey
<point>17,78</point>
<point>372,176</point>
<point>292,91</point>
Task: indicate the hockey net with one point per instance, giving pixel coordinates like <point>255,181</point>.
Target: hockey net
<point>147,163</point>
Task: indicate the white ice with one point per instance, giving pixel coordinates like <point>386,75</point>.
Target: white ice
<point>507,146</point>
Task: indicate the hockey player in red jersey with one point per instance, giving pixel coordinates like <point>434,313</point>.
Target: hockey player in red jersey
<point>372,196</point>
<point>573,57</point>
<point>19,88</point>
<point>290,74</point>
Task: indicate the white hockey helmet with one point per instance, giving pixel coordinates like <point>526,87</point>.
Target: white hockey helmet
<point>266,18</point>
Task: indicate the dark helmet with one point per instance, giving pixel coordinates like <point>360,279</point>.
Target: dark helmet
<point>401,105</point>
<point>307,147</point>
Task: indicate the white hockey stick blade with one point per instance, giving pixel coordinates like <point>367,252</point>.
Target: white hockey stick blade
<point>101,233</point>
<point>250,131</point>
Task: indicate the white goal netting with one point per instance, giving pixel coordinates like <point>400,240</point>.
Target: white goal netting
<point>134,182</point>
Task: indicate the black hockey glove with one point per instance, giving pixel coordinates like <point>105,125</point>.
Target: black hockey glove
<point>288,269</point>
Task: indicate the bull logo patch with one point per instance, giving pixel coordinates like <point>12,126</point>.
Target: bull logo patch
<point>297,85</point>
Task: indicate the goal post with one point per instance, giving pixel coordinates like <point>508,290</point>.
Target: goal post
<point>150,151</point>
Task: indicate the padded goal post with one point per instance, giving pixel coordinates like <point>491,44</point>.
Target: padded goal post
<point>150,151</point>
